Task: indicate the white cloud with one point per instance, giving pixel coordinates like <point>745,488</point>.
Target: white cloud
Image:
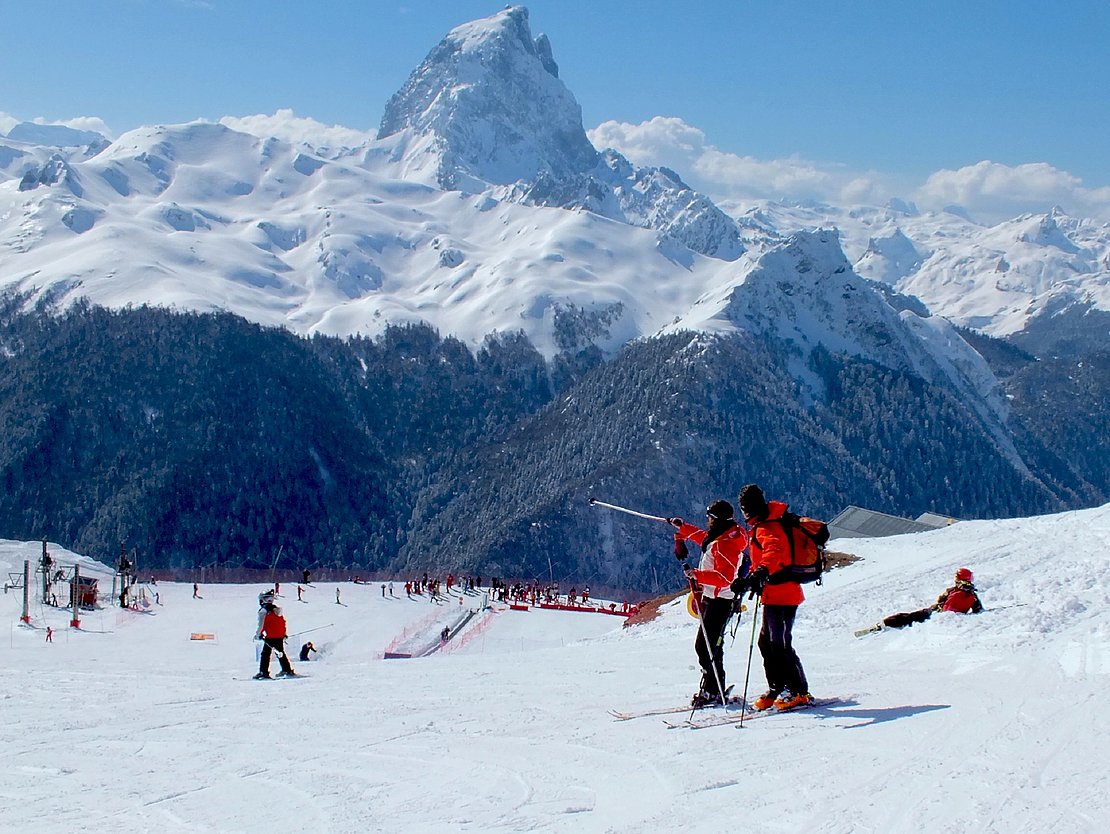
<point>297,130</point>
<point>92,123</point>
<point>996,191</point>
<point>990,191</point>
<point>7,122</point>
<point>669,141</point>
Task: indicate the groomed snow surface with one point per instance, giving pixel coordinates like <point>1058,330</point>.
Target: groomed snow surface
<point>991,723</point>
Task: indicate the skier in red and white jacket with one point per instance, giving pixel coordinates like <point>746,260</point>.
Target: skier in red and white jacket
<point>721,562</point>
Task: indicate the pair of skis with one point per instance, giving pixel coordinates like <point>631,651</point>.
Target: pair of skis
<point>733,712</point>
<point>863,632</point>
<point>730,705</point>
<point>704,722</point>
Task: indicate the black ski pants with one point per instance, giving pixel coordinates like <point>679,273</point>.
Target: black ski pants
<point>271,645</point>
<point>711,657</point>
<point>907,618</point>
<point>776,644</point>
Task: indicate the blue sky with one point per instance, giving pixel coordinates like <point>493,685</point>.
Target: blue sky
<point>889,91</point>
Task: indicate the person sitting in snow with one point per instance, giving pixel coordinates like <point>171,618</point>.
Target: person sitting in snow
<point>961,598</point>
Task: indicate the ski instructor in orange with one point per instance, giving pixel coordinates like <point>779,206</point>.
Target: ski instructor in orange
<point>722,547</point>
<point>770,551</point>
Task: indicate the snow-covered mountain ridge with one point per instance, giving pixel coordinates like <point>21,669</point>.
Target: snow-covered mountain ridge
<point>1001,279</point>
<point>479,207</point>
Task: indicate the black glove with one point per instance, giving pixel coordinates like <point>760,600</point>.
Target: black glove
<point>756,580</point>
<point>675,521</point>
<point>680,551</point>
<point>739,585</point>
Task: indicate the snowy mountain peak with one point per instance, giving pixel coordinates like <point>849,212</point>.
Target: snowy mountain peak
<point>487,104</point>
<point>58,136</point>
<point>889,257</point>
<point>804,294</point>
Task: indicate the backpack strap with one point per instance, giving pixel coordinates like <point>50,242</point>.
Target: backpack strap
<point>782,574</point>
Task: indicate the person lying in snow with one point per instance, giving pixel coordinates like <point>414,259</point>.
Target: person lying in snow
<point>961,598</point>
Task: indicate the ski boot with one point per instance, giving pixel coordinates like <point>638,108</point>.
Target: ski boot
<point>765,701</point>
<point>705,699</point>
<point>788,700</point>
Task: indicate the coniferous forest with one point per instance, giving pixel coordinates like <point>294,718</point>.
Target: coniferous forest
<point>205,440</point>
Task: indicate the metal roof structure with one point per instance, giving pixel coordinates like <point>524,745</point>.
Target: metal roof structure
<point>859,523</point>
<point>936,520</point>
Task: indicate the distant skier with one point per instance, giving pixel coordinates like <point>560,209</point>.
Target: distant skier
<point>196,591</point>
<point>307,649</point>
<point>961,597</point>
<point>273,633</point>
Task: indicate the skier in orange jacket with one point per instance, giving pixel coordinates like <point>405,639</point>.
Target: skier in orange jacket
<point>770,551</point>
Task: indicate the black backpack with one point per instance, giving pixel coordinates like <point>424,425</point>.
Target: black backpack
<point>807,537</point>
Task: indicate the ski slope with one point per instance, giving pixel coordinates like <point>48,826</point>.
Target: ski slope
<point>993,723</point>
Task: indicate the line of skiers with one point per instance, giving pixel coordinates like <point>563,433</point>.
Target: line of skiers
<point>736,560</point>
<point>432,585</point>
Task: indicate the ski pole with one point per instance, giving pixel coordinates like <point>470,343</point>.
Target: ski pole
<point>307,630</point>
<point>595,503</point>
<point>739,610</point>
<point>710,648</point>
<point>748,673</point>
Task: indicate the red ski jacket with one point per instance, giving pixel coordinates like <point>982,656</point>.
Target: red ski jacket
<point>274,626</point>
<point>771,550</point>
<point>961,599</point>
<point>720,561</point>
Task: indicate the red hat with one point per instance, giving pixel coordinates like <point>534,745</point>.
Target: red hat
<point>964,575</point>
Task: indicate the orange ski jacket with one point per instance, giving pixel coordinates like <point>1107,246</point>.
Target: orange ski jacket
<point>771,549</point>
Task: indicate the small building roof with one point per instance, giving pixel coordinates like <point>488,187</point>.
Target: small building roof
<point>859,523</point>
<point>936,520</point>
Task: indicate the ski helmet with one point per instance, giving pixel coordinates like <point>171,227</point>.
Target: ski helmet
<point>265,597</point>
<point>719,511</point>
<point>964,575</point>
<point>752,502</point>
